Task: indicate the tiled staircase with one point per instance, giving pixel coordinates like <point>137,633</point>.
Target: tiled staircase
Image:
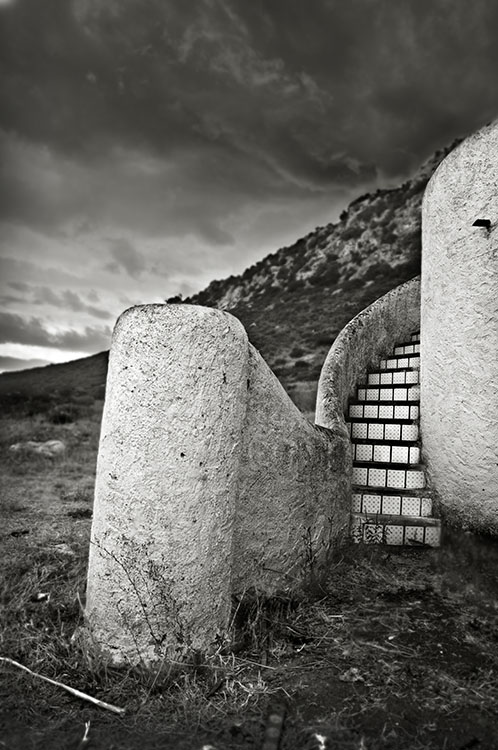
<point>391,504</point>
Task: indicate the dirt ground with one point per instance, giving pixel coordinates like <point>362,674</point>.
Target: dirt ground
<point>398,650</point>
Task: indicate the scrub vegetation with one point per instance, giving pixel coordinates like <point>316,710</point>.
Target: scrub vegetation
<point>397,649</point>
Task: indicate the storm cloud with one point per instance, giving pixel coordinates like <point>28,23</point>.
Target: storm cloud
<point>149,146</point>
<point>14,329</point>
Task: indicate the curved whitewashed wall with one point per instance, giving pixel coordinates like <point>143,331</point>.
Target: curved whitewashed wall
<point>459,333</point>
<point>210,482</point>
<point>360,345</point>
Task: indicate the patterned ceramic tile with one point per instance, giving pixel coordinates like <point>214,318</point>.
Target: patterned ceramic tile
<point>401,412</point>
<point>360,430</point>
<point>396,478</point>
<point>426,506</point>
<point>410,506</point>
<point>400,454</point>
<point>359,475</point>
<point>414,455</point>
<point>391,504</point>
<point>394,534</point>
<point>356,504</point>
<point>363,452</point>
<point>415,534</point>
<point>415,480</point>
<point>374,378</point>
<point>393,432</point>
<point>371,411</point>
<point>375,431</point>
<point>382,453</point>
<point>409,432</point>
<point>377,478</point>
<point>433,536</point>
<point>372,504</point>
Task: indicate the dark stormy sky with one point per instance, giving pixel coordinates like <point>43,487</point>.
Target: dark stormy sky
<point>149,146</point>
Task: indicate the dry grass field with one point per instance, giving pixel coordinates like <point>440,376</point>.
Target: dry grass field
<point>397,649</point>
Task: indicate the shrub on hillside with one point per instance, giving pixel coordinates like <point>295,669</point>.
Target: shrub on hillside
<point>64,413</point>
<point>39,403</point>
<point>326,275</point>
<point>296,351</point>
<point>352,232</point>
<point>381,268</point>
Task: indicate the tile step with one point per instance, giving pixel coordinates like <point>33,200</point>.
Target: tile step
<point>386,453</point>
<point>402,376</point>
<point>382,410</point>
<point>395,362</point>
<point>395,519</point>
<point>401,350</point>
<point>393,476</point>
<point>392,502</point>
<point>403,393</point>
<point>397,533</point>
<point>382,431</point>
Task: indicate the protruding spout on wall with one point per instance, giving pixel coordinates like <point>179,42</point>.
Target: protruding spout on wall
<point>486,223</point>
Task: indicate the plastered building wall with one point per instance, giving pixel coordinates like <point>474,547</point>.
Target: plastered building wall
<point>209,483</point>
<point>360,345</point>
<point>459,333</point>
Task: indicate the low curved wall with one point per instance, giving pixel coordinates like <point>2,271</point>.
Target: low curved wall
<point>459,335</point>
<point>209,482</point>
<point>359,347</point>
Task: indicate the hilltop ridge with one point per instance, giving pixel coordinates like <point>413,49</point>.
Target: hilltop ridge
<point>294,301</point>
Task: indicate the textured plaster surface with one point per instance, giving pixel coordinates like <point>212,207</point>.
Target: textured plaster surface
<point>360,345</point>
<point>161,548</point>
<point>459,333</point>
<point>293,502</point>
<point>209,483</point>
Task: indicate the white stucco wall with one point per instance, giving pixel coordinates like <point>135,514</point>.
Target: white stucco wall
<point>209,483</point>
<point>459,333</point>
<point>161,545</point>
<point>360,345</point>
<point>293,500</point>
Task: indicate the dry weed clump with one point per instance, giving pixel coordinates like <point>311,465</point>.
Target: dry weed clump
<point>395,650</point>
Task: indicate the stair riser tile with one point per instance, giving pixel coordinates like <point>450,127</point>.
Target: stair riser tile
<point>400,351</point>
<point>384,411</point>
<point>383,431</point>
<point>395,535</point>
<point>401,377</point>
<point>396,505</point>
<point>396,393</point>
<point>396,479</point>
<point>391,454</point>
<point>399,363</point>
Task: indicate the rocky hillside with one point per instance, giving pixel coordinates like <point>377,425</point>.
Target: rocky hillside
<point>295,301</point>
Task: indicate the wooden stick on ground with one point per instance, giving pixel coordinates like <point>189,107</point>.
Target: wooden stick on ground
<point>73,691</point>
